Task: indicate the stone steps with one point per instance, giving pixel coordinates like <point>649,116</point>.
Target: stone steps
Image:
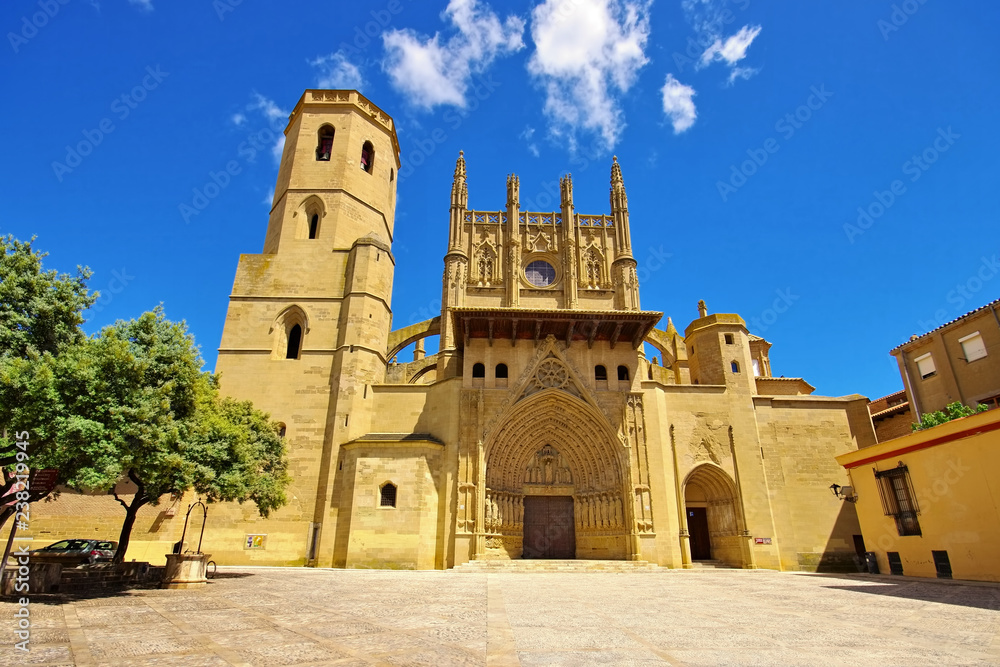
<point>523,566</point>
<point>710,565</point>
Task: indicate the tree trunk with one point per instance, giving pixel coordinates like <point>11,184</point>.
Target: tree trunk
<point>131,511</point>
<point>123,539</point>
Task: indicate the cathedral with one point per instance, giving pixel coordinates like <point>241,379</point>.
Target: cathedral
<point>539,429</point>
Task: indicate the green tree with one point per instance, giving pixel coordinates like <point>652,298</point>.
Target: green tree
<point>133,405</point>
<point>40,315</point>
<point>40,311</point>
<point>955,410</point>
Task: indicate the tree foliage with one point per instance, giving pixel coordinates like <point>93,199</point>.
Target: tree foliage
<point>133,405</point>
<point>128,412</point>
<point>40,316</point>
<point>955,410</point>
<point>40,311</point>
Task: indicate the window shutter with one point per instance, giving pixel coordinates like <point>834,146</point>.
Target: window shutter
<point>973,347</point>
<point>925,366</point>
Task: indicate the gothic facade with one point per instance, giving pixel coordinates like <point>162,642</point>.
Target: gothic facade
<point>539,429</point>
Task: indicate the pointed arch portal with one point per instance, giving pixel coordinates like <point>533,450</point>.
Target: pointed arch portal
<point>713,521</point>
<point>556,480</point>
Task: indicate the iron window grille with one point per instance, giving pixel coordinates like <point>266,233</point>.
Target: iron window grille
<point>388,496</point>
<point>898,499</point>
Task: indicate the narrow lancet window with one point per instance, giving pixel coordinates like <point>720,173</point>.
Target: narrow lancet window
<point>294,342</point>
<point>368,157</point>
<point>324,147</point>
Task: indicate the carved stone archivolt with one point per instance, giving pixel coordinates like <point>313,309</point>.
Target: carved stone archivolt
<point>553,426</point>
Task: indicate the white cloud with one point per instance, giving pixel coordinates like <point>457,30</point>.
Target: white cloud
<point>587,52</point>
<point>276,117</point>
<point>527,135</point>
<point>733,49</point>
<point>269,199</point>
<point>678,104</point>
<point>741,73</point>
<point>337,72</point>
<point>432,71</point>
<point>238,119</point>
<point>144,5</point>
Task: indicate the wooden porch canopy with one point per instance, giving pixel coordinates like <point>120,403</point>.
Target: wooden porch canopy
<point>513,324</point>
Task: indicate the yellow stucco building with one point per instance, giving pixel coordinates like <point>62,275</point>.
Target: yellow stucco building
<point>928,501</point>
<point>539,429</point>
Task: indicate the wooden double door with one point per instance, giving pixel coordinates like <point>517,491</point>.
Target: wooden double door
<point>549,530</point>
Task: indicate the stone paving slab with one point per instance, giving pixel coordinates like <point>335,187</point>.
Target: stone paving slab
<point>300,617</point>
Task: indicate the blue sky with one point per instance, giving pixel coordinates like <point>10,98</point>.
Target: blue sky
<point>826,169</point>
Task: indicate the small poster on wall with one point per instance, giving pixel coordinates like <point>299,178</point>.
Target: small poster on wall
<point>762,540</point>
<point>255,542</point>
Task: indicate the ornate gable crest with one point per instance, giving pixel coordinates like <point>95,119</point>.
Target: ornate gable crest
<point>548,370</point>
<point>542,242</point>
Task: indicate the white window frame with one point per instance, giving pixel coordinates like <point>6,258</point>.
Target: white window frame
<point>920,371</point>
<point>976,352</point>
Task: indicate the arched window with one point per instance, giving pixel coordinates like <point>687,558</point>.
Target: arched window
<point>294,342</point>
<point>501,373</point>
<point>736,367</point>
<point>600,373</point>
<point>392,175</point>
<point>314,226</point>
<point>479,371</point>
<point>388,495</point>
<point>368,157</point>
<point>282,430</point>
<point>324,147</point>
<point>623,373</point>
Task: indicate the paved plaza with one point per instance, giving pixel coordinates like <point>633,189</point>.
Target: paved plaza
<point>264,616</point>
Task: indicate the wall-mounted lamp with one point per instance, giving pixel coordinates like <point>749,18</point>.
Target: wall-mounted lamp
<point>844,493</point>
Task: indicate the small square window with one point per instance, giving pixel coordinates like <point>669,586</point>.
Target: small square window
<point>925,366</point>
<point>973,347</point>
<point>730,340</point>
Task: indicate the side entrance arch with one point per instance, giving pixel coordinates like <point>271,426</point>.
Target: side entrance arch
<point>710,508</point>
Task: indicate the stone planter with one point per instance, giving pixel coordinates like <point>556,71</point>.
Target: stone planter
<point>185,571</point>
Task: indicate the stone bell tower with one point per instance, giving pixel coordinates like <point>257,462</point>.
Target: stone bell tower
<point>305,335</point>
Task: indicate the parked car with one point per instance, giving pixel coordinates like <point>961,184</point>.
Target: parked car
<point>81,551</point>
